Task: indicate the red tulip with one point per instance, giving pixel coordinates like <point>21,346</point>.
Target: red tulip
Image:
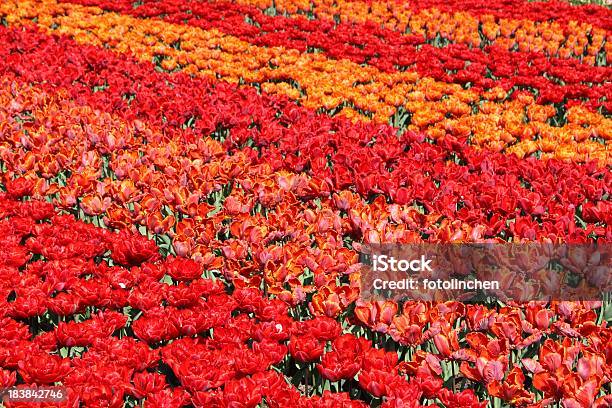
<point>20,187</point>
<point>376,382</point>
<point>43,368</point>
<point>334,368</point>
<point>183,269</point>
<point>306,348</point>
<point>7,378</point>
<point>146,383</point>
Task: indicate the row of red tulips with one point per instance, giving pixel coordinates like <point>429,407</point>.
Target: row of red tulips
<point>566,34</point>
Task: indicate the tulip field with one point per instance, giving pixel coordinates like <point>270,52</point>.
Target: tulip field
<point>186,185</point>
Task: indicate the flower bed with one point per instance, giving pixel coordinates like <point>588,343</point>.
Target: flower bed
<point>188,186</point>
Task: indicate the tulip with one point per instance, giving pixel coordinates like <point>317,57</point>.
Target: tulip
<point>335,366</point>
<point>7,378</point>
<point>306,348</point>
<point>20,187</point>
<point>43,368</point>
